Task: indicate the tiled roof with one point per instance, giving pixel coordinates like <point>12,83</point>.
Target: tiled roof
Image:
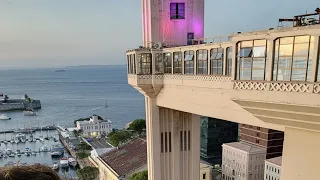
<point>249,148</point>
<point>276,160</point>
<point>128,157</point>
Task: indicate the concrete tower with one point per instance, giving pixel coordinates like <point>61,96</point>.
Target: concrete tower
<point>172,22</point>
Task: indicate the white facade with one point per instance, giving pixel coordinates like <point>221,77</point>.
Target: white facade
<point>242,161</point>
<point>272,169</point>
<point>95,126</point>
<point>161,25</point>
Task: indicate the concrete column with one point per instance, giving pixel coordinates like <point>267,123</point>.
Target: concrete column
<point>270,53</point>
<point>195,147</point>
<point>153,139</point>
<point>234,61</point>
<point>224,65</point>
<point>315,57</point>
<point>300,159</point>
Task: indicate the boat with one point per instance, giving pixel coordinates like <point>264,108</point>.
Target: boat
<point>12,155</point>
<point>64,163</point>
<point>29,112</point>
<point>41,138</point>
<point>19,154</point>
<point>8,151</point>
<point>12,141</point>
<point>34,153</point>
<point>72,162</point>
<point>23,163</point>
<point>44,148</point>
<point>56,153</point>
<point>4,117</point>
<point>27,153</point>
<point>10,163</point>
<point>55,165</point>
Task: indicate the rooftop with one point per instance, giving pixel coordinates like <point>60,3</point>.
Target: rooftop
<point>99,144</point>
<point>249,148</point>
<point>128,157</point>
<point>276,160</point>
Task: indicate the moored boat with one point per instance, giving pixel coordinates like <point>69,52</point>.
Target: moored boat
<point>64,163</point>
<point>29,112</point>
<point>72,162</point>
<point>55,166</point>
<point>4,117</point>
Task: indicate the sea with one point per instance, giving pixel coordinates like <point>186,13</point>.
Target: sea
<point>78,92</point>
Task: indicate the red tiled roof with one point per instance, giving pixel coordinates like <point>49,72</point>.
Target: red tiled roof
<point>128,157</point>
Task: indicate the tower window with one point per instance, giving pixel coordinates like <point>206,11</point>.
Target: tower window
<point>177,11</point>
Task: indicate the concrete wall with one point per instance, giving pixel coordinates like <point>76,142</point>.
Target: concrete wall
<point>19,104</point>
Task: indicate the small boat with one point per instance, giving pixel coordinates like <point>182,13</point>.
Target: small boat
<point>5,142</point>
<point>4,156</point>
<point>23,163</point>
<point>12,141</point>
<point>56,153</point>
<point>4,117</point>
<point>18,154</point>
<point>27,153</point>
<point>44,148</point>
<point>41,138</point>
<point>55,166</point>
<point>16,141</point>
<point>29,112</point>
<point>64,163</point>
<point>60,70</point>
<point>12,155</point>
<point>34,153</point>
<point>10,163</point>
<point>8,151</point>
<point>23,140</point>
<point>72,162</point>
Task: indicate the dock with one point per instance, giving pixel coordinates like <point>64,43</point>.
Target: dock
<point>30,130</point>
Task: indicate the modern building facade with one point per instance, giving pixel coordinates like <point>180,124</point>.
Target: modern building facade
<point>95,126</point>
<point>268,78</point>
<point>213,133</point>
<point>242,161</point>
<point>272,169</point>
<point>172,22</point>
<point>270,139</point>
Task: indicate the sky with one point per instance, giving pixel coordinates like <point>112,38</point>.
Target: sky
<point>58,33</point>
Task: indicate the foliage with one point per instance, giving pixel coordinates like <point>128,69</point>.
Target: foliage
<point>77,132</point>
<point>140,176</point>
<point>88,173</point>
<point>82,155</point>
<point>118,137</point>
<point>138,125</point>
<point>84,146</point>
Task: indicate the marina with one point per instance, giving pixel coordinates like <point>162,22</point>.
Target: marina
<point>34,151</point>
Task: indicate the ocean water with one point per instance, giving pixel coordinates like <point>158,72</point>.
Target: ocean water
<point>76,93</point>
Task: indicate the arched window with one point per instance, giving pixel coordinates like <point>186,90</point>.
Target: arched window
<point>188,62</point>
<point>293,58</point>
<point>202,61</point>
<point>216,57</point>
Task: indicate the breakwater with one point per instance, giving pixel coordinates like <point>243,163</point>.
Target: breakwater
<point>19,104</point>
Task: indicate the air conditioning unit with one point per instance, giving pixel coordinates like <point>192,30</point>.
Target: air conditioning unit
<point>157,45</point>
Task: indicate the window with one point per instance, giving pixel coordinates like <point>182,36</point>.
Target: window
<point>216,57</point>
<point>251,60</point>
<point>161,141</point>
<point>177,63</point>
<point>188,62</point>
<point>202,61</point>
<point>204,176</point>
<point>133,63</point>
<point>229,61</point>
<point>159,63</point>
<point>145,63</point>
<point>169,141</point>
<point>293,58</point>
<point>167,62</point>
<point>165,142</point>
<point>177,11</point>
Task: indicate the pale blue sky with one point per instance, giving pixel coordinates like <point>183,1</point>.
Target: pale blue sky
<point>53,33</point>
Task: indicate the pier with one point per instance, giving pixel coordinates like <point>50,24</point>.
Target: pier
<point>30,130</point>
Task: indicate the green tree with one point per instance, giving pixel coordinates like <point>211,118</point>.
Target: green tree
<point>138,125</point>
<point>88,173</point>
<point>82,155</point>
<point>118,137</point>
<point>140,176</point>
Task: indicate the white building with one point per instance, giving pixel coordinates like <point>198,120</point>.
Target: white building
<point>242,161</point>
<point>272,169</point>
<point>95,126</point>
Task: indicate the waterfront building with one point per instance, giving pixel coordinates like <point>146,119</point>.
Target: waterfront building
<point>213,133</point>
<point>270,139</point>
<point>242,161</point>
<point>95,126</point>
<point>268,78</point>
<point>272,169</point>
<point>124,161</point>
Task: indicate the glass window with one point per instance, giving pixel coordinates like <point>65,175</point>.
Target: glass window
<point>145,63</point>
<point>188,62</point>
<point>133,63</point>
<point>167,63</point>
<point>177,63</point>
<point>128,64</point>
<point>159,63</point>
<point>216,61</point>
<point>202,61</point>
<point>177,11</point>
<point>251,61</point>
<point>293,58</point>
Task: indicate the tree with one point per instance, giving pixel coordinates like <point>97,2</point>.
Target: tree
<point>82,155</point>
<point>138,125</point>
<point>88,173</point>
<point>118,137</point>
<point>26,96</point>
<point>140,176</point>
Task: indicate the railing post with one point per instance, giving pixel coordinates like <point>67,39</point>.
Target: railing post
<point>315,57</point>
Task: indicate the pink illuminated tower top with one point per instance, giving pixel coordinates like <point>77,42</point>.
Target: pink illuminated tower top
<point>172,22</point>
